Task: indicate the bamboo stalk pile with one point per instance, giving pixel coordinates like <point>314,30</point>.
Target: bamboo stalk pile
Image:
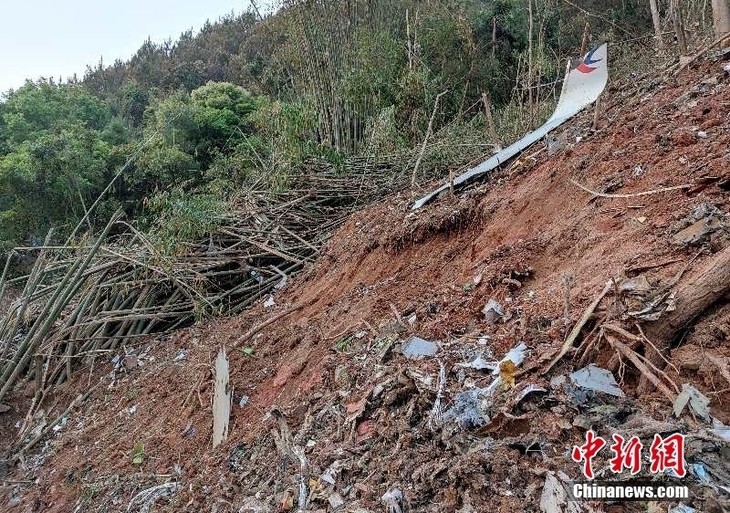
<point>82,300</point>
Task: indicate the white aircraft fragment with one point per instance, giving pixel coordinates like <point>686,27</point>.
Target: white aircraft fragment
<point>582,86</point>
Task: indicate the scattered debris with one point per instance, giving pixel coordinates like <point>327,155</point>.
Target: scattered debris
<point>596,379</point>
<point>720,430</point>
<point>554,498</point>
<point>698,232</point>
<point>393,500</point>
<point>478,363</point>
<point>470,408</point>
<point>221,399</point>
<point>529,389</point>
<point>698,402</point>
<point>493,312</point>
<point>145,499</point>
<point>416,347</point>
<point>336,501</point>
<point>516,355</point>
<point>682,509</point>
<point>696,228</point>
<point>329,476</point>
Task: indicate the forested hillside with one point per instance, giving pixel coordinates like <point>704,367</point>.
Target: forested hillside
<point>248,98</point>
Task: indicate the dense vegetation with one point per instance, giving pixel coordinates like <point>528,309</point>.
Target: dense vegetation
<point>188,124</point>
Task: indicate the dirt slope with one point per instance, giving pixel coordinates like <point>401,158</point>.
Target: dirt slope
<point>331,372</point>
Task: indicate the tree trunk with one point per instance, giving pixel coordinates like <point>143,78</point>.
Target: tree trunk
<point>721,16</point>
<point>529,58</point>
<point>678,24</point>
<point>656,21</point>
<point>586,37</point>
<point>702,288</point>
<point>492,130</point>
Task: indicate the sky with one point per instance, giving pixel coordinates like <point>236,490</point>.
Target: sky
<point>53,38</point>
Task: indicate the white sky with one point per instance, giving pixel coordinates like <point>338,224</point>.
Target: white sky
<point>53,38</point>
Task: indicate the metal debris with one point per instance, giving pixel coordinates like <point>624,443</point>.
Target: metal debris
<point>698,232</point>
<point>393,500</point>
<point>597,379</point>
<point>554,498</point>
<point>493,311</point>
<point>720,430</point>
<point>696,228</point>
<point>416,347</point>
<point>329,476</point>
<point>336,501</point>
<point>221,399</point>
<point>698,402</point>
<point>682,509</point>
<point>469,409</point>
<point>145,499</point>
<point>516,355</point>
<point>529,389</point>
<point>478,363</point>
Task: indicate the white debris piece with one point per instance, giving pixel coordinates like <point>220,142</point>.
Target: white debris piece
<point>597,379</point>
<point>493,311</point>
<point>697,401</point>
<point>221,399</point>
<point>416,347</point>
<point>393,500</point>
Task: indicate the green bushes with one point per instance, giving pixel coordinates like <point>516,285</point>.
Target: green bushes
<point>57,156</point>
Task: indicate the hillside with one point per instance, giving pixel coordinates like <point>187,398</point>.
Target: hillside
<point>324,398</point>
<point>177,132</point>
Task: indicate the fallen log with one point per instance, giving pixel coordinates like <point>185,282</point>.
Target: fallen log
<point>698,291</point>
